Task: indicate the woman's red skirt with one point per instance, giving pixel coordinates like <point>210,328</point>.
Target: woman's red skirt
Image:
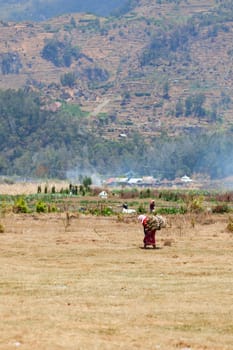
<point>149,238</point>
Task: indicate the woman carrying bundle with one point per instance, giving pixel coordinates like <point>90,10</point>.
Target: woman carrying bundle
<point>150,225</point>
<point>149,234</point>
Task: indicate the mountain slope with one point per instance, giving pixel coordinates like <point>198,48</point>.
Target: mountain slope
<point>164,67</point>
<point>160,72</point>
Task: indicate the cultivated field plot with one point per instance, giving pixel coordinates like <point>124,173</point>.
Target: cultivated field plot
<point>87,284</point>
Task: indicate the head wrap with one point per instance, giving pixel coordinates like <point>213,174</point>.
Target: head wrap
<point>141,218</point>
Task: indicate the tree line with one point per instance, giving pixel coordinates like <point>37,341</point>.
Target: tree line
<point>36,142</point>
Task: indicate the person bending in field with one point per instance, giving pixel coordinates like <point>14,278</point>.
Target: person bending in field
<point>149,231</point>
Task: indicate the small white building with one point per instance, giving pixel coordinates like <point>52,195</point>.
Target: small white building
<point>103,195</point>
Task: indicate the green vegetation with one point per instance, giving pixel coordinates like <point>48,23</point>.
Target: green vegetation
<point>20,205</point>
<point>60,53</point>
<point>36,142</point>
<point>168,202</point>
<point>41,207</point>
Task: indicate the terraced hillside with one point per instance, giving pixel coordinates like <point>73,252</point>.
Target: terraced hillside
<point>164,67</point>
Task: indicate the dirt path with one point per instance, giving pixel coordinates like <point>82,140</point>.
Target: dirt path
<point>99,108</point>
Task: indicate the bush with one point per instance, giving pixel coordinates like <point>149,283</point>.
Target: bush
<point>20,206</point>
<point>41,207</point>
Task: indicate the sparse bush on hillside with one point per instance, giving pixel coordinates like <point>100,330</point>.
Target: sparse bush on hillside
<point>61,54</point>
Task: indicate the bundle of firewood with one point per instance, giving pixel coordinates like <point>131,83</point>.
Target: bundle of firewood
<point>156,222</point>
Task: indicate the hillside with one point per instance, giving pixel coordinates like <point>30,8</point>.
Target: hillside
<point>136,72</point>
<point>162,69</point>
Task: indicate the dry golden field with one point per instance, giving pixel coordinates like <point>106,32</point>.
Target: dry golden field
<point>85,283</point>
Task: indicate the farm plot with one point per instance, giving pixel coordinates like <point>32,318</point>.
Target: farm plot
<point>87,284</point>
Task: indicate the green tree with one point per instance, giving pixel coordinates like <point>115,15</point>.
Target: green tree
<point>87,181</point>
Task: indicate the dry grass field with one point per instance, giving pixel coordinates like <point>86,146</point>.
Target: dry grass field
<point>87,284</point>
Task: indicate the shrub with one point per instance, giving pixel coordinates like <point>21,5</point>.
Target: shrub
<point>20,206</point>
<point>41,207</point>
